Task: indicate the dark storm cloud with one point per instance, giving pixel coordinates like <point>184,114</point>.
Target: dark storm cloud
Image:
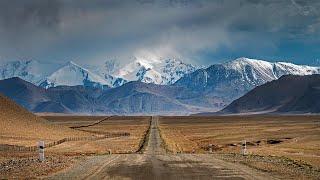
<point>15,14</point>
<point>95,30</point>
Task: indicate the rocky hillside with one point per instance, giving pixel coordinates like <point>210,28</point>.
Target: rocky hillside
<point>289,94</point>
<point>233,79</point>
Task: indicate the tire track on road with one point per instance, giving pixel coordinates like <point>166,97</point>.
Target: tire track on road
<point>104,165</point>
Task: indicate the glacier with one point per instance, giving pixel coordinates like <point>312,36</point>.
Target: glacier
<point>72,74</point>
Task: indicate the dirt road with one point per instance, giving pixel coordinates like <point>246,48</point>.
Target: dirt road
<point>155,163</point>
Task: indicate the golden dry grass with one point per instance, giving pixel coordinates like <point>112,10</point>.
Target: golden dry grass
<point>299,135</point>
<point>135,126</point>
<point>20,127</point>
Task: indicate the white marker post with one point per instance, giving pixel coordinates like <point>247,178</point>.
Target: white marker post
<point>210,148</point>
<point>41,151</point>
<point>244,147</point>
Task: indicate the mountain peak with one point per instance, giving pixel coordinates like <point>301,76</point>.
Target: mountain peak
<point>243,59</point>
<point>29,70</point>
<point>71,74</point>
<point>154,70</point>
<point>246,60</point>
<point>71,63</point>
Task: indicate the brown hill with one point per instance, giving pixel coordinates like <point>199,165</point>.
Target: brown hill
<point>289,94</point>
<point>18,126</point>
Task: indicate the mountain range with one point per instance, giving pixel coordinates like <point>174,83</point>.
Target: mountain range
<point>132,98</point>
<point>141,87</point>
<point>29,70</point>
<point>164,72</point>
<point>233,79</point>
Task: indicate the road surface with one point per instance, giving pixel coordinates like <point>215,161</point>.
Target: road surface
<point>155,163</point>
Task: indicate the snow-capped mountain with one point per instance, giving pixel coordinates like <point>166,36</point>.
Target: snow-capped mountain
<point>248,71</point>
<point>157,71</point>
<point>72,74</point>
<point>31,71</point>
<point>233,79</point>
<point>106,70</point>
<point>110,73</point>
<point>205,89</point>
<point>257,72</point>
<point>172,70</point>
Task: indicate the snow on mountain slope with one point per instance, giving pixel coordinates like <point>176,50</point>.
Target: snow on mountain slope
<point>172,70</point>
<point>283,68</point>
<point>258,72</point>
<point>114,81</point>
<point>137,69</point>
<point>72,74</point>
<point>31,71</point>
<point>233,79</point>
<point>106,70</point>
<point>157,71</point>
<point>146,70</point>
<point>244,71</point>
<point>250,71</point>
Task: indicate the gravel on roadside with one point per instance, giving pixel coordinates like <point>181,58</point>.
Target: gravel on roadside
<point>31,167</point>
<point>282,167</point>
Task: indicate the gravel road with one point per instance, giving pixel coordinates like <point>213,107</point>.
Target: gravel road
<point>155,163</point>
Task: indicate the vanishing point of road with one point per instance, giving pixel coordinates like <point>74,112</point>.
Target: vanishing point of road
<point>155,163</point>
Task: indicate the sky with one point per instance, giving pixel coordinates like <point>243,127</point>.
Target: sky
<point>201,32</point>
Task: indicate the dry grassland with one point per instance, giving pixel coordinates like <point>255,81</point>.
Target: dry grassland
<point>20,164</point>
<point>22,128</point>
<point>293,137</point>
<point>136,127</point>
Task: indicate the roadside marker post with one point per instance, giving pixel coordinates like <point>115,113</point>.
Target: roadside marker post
<point>210,148</point>
<point>244,147</point>
<point>41,151</point>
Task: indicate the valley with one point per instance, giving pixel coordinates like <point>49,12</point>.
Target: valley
<point>160,89</point>
<point>176,147</point>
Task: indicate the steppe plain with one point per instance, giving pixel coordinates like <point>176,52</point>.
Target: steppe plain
<point>171,147</point>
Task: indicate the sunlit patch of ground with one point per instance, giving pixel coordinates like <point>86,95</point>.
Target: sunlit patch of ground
<point>296,138</point>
